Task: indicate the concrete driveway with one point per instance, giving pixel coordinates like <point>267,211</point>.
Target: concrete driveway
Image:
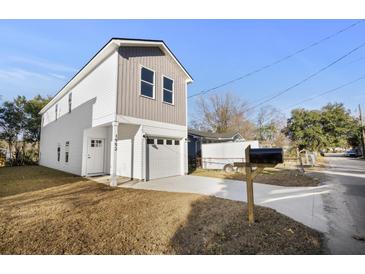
<point>303,204</point>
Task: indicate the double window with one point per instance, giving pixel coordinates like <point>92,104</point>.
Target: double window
<point>147,82</point>
<point>148,86</point>
<point>168,90</point>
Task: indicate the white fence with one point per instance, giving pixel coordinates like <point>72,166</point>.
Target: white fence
<point>217,155</point>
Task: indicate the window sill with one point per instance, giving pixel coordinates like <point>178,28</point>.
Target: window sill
<point>167,103</point>
<point>144,96</point>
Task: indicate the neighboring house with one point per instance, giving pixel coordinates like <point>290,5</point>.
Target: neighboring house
<point>197,138</point>
<point>124,113</point>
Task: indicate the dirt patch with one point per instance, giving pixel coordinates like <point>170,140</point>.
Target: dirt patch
<point>279,176</point>
<point>15,180</point>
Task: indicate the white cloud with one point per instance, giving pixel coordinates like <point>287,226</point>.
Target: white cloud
<point>58,76</point>
<point>21,74</point>
<point>43,64</point>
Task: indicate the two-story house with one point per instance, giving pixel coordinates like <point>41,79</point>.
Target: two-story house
<point>124,113</point>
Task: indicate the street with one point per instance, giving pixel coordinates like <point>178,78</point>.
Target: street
<point>344,205</point>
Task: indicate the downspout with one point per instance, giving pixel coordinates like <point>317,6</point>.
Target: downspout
<point>115,125</point>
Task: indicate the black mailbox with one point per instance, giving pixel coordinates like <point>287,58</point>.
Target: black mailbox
<point>266,156</point>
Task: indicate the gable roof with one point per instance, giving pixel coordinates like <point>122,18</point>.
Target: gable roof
<point>213,135</point>
<point>112,45</point>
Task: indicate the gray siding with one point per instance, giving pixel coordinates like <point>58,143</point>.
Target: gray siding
<point>130,103</point>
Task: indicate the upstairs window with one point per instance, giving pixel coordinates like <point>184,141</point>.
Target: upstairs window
<point>56,111</point>
<point>58,153</point>
<point>168,90</point>
<point>69,102</point>
<point>147,83</point>
<point>67,151</point>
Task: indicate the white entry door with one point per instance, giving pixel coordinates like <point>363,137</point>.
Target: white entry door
<point>95,156</point>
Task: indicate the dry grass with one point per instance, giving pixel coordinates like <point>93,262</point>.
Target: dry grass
<point>15,180</point>
<point>89,218</point>
<point>280,176</point>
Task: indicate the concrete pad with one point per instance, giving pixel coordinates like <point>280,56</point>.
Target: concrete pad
<point>303,204</point>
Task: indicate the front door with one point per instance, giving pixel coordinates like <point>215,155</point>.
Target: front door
<point>95,156</point>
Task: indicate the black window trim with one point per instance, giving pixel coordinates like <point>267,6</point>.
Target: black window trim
<point>153,84</point>
<point>172,91</point>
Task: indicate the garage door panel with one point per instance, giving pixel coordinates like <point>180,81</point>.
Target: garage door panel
<point>163,160</point>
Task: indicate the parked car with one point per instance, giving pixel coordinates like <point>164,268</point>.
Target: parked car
<point>353,153</point>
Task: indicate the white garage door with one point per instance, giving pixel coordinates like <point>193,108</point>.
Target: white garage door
<point>163,158</point>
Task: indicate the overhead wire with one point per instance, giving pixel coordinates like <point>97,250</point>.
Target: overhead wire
<point>314,44</point>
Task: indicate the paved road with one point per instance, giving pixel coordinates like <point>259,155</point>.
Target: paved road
<point>345,205</point>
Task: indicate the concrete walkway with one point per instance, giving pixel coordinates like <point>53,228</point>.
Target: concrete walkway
<point>303,204</point>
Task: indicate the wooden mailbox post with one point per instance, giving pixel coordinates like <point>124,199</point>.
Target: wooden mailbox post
<point>257,158</point>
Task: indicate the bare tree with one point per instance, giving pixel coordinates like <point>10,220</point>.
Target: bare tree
<point>270,123</point>
<point>223,113</point>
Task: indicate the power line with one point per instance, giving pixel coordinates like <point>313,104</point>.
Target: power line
<point>307,78</point>
<point>327,92</point>
<point>278,61</point>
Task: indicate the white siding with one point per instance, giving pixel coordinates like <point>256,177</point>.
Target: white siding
<point>100,84</point>
<point>68,128</point>
<point>150,128</point>
<point>129,150</point>
<point>93,104</point>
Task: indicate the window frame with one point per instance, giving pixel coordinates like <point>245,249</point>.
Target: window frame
<point>172,91</point>
<point>67,152</point>
<point>56,111</point>
<point>58,152</point>
<point>153,85</point>
<point>70,102</point>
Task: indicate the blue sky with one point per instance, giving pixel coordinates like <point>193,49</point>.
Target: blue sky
<point>41,56</point>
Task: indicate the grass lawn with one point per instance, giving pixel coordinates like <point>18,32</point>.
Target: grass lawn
<point>15,180</point>
<point>83,217</point>
<point>280,176</point>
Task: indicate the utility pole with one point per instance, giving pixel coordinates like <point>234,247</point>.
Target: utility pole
<point>362,133</point>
